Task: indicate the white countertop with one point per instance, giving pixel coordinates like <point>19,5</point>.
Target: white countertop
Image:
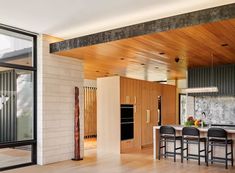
<point>202,129</point>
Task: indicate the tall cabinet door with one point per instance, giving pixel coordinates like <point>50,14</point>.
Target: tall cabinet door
<point>168,104</point>
<point>150,93</point>
<point>131,94</point>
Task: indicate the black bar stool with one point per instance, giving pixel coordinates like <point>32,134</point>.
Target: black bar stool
<point>191,135</point>
<point>168,134</point>
<point>218,137</point>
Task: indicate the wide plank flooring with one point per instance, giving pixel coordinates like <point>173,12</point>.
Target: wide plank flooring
<point>141,162</point>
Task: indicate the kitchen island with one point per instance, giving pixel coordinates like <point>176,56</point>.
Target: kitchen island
<point>203,131</point>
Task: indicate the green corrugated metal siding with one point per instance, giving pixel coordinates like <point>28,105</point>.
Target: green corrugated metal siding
<point>8,111</point>
<point>223,78</point>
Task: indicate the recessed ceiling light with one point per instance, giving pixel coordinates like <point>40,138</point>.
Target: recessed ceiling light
<point>161,53</point>
<point>224,45</point>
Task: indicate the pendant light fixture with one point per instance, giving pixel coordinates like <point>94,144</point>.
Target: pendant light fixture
<point>209,89</point>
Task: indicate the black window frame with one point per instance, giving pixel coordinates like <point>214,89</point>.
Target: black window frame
<point>33,68</point>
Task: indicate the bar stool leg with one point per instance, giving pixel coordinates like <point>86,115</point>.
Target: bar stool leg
<point>232,152</point>
<point>205,152</point>
<point>174,150</point>
<point>212,154</point>
<point>182,150</point>
<point>187,149</point>
<point>165,148</point>
<point>226,156</point>
<point>159,149</point>
<point>199,148</point>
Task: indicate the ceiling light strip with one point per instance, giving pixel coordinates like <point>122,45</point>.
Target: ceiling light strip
<point>201,90</point>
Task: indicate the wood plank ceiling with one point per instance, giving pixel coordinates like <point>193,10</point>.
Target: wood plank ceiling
<point>153,57</point>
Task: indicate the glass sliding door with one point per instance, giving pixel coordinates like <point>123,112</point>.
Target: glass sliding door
<point>17,99</point>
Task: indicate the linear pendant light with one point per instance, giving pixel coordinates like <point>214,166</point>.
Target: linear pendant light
<point>201,90</point>
<point>204,89</point>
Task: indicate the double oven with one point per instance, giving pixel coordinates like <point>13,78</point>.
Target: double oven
<point>127,121</point>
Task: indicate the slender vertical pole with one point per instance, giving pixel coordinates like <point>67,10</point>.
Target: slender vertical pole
<point>77,155</point>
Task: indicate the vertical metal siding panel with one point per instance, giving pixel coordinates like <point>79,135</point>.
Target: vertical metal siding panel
<point>4,109</point>
<point>14,105</point>
<point>233,80</point>
<point>1,113</point>
<point>7,116</point>
<point>223,77</point>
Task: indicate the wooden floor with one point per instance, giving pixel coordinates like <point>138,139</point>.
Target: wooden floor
<point>90,143</point>
<point>10,156</point>
<point>130,163</point>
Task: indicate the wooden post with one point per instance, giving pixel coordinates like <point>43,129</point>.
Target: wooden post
<point>77,148</point>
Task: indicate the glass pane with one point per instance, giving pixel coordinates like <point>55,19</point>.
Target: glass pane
<point>183,108</point>
<point>16,48</point>
<point>15,156</point>
<point>16,105</point>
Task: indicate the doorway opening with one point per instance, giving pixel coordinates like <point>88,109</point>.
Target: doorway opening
<point>90,118</point>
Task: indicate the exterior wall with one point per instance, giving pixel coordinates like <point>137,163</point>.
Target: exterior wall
<point>57,77</point>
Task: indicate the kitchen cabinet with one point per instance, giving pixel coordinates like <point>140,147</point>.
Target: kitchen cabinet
<point>143,95</point>
<point>168,105</point>
<point>149,116</point>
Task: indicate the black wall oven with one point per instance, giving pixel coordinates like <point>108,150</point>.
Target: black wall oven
<point>127,121</point>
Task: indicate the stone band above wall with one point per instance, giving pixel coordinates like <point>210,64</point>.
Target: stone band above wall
<point>160,25</point>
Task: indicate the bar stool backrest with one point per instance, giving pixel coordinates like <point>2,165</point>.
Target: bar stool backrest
<point>167,130</point>
<point>190,131</point>
<point>217,133</point>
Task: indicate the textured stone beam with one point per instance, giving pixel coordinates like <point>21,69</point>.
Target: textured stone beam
<point>160,25</point>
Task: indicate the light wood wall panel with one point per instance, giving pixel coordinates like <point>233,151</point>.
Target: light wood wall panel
<point>108,115</point>
<point>150,93</point>
<point>168,104</point>
<point>90,114</point>
<point>130,93</point>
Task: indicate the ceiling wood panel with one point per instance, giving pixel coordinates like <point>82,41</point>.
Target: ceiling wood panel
<point>140,57</point>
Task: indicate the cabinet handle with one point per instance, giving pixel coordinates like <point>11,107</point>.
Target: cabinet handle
<point>158,115</point>
<point>148,116</point>
<point>134,99</point>
<point>127,99</point>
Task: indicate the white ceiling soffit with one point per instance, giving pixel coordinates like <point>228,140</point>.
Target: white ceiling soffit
<point>73,18</point>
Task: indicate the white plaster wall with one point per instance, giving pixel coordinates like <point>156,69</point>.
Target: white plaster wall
<point>90,83</point>
<point>57,77</point>
<point>108,115</point>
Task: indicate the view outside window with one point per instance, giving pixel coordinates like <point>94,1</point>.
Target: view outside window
<point>16,48</point>
<point>17,98</point>
<point>24,105</point>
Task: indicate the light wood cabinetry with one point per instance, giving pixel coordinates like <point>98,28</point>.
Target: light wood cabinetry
<point>130,93</point>
<point>143,95</point>
<point>168,104</point>
<point>150,93</point>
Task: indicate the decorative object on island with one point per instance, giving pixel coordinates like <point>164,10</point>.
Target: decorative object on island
<point>77,155</point>
<point>191,121</point>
